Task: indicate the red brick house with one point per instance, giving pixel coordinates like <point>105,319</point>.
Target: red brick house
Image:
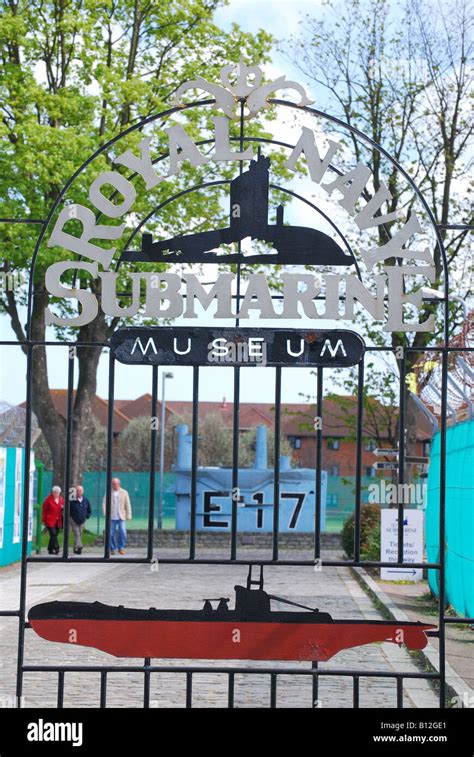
<point>297,424</point>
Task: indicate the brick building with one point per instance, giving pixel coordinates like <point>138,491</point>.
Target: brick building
<point>339,451</point>
<point>297,424</point>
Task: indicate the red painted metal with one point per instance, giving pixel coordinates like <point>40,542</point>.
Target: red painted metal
<point>239,640</point>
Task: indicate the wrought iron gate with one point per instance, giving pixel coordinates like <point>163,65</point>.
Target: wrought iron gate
<point>148,668</point>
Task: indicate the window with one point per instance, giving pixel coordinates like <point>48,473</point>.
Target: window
<point>332,500</point>
<point>334,470</point>
<point>333,443</point>
<point>370,472</point>
<point>297,442</point>
<point>426,448</point>
<point>370,445</point>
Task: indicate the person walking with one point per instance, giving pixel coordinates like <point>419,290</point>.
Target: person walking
<point>120,511</point>
<point>52,517</point>
<point>80,509</point>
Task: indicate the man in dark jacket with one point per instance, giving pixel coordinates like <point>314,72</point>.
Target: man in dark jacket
<point>80,509</point>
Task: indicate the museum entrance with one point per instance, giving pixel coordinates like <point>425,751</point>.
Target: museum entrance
<point>237,502</point>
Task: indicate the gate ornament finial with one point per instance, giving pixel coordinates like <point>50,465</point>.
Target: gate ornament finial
<point>236,85</point>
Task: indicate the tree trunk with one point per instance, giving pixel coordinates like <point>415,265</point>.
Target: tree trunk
<point>51,423</point>
<point>83,414</point>
<point>84,411</point>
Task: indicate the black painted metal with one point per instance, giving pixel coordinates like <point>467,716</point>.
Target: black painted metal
<point>148,669</point>
<point>151,485</point>
<point>319,450</point>
<point>160,345</point>
<point>276,463</point>
<point>401,454</point>
<point>358,471</point>
<point>194,464</point>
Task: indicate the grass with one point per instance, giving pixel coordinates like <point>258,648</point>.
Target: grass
<point>428,603</point>
<point>334,525</point>
<point>88,539</point>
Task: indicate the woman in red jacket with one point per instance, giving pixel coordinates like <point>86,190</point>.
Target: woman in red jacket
<point>53,517</point>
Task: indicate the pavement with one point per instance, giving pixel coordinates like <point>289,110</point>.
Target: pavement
<point>183,586</point>
<point>414,602</point>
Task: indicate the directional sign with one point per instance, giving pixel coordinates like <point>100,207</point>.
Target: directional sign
<point>386,466</point>
<point>412,544</point>
<point>417,460</point>
<point>236,346</point>
<point>381,452</point>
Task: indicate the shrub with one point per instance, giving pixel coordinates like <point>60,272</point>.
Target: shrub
<point>369,533</point>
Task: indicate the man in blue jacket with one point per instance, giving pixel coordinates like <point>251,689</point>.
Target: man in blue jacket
<point>80,509</point>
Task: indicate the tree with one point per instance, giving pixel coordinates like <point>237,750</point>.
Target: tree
<point>402,76</point>
<point>75,73</point>
<point>215,444</point>
<point>132,450</point>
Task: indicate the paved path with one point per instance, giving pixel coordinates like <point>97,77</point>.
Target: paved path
<point>416,602</point>
<point>184,586</point>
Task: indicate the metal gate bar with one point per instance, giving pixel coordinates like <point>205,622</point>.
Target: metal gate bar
<point>276,463</point>
<point>358,481</point>
<point>235,463</point>
<point>194,464</point>
<point>319,449</point>
<point>68,452</point>
<point>151,484</point>
<point>401,452</point>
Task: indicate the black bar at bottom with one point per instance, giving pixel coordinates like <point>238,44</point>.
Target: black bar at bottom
<point>231,691</point>
<point>103,688</point>
<point>273,690</point>
<point>189,690</point>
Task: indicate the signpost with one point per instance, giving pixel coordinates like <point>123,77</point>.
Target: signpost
<point>382,452</point>
<point>386,466</point>
<point>412,544</point>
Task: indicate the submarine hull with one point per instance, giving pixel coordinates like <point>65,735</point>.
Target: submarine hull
<point>185,634</point>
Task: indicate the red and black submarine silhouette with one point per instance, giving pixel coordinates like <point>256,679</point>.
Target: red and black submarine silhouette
<point>252,631</point>
<point>248,218</point>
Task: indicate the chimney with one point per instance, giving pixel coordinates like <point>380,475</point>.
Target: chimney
<point>261,448</point>
<point>224,403</point>
<point>183,461</point>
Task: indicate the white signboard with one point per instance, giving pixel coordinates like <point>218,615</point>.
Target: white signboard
<point>17,504</point>
<point>412,544</point>
<point>32,496</point>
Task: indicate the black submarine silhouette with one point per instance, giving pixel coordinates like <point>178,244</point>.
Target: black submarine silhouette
<point>248,218</point>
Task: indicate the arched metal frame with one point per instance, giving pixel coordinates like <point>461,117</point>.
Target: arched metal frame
<point>314,672</point>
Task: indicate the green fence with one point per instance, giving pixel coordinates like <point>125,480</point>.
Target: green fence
<point>340,498</point>
<point>341,495</point>
<point>137,485</point>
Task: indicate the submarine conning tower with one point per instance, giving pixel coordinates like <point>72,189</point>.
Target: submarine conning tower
<point>249,198</point>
